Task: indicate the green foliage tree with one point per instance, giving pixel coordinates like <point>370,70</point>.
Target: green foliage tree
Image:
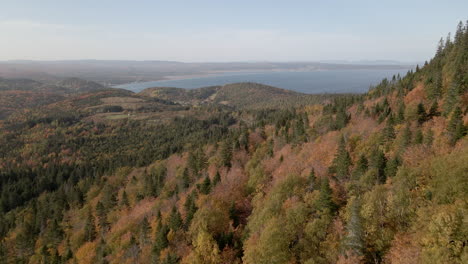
<point>175,219</point>
<point>342,161</point>
<point>378,161</point>
<point>325,201</point>
<point>205,186</point>
<point>456,129</point>
<point>354,239</point>
<point>89,227</point>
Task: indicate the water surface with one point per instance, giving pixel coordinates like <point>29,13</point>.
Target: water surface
<point>311,82</point>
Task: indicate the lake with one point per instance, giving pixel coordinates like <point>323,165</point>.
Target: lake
<point>311,82</point>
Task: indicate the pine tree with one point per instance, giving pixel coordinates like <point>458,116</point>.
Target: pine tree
<point>175,220</point>
<point>190,209</point>
<point>185,179</point>
<point>109,199</point>
<point>433,111</point>
<point>421,111</point>
<point>312,180</point>
<point>124,202</point>
<point>226,154</point>
<point>217,178</point>
<point>456,128</point>
<point>145,230</point>
<point>406,136</point>
<point>389,131</point>
<point>341,162</point>
<point>325,201</point>
<point>429,138</point>
<point>160,241</point>
<point>102,217</point>
<point>354,239</point>
<point>378,161</point>
<point>205,187</point>
<point>451,98</point>
<point>101,252</point>
<point>392,166</point>
<point>89,229</point>
<point>400,117</point>
<point>418,137</point>
<point>361,167</point>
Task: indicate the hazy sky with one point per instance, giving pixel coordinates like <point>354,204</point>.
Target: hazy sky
<point>222,30</point>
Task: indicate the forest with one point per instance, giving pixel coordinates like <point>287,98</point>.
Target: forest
<point>243,173</point>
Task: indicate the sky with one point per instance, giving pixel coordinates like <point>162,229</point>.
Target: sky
<point>226,30</point>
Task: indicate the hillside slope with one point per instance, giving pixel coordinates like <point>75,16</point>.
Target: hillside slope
<point>373,178</point>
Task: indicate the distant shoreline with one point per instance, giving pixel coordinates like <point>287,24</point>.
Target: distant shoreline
<point>254,71</point>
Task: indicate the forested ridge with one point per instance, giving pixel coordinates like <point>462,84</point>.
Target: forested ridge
<point>108,176</point>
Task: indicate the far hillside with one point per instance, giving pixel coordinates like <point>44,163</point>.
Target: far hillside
<point>238,95</point>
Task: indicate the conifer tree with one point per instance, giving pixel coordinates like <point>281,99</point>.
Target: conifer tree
<point>378,161</point>
<point>185,179</point>
<point>205,187</point>
<point>312,180</point>
<point>400,117</point>
<point>217,178</point>
<point>421,111</point>
<point>102,217</point>
<point>389,131</point>
<point>361,167</point>
<point>124,202</point>
<point>144,231</point>
<point>456,128</point>
<point>342,161</point>
<point>325,201</point>
<point>160,241</point>
<point>226,154</point>
<point>89,228</point>
<point>354,239</point>
<point>406,136</point>
<point>429,137</point>
<point>433,111</point>
<point>175,220</point>
<point>418,137</point>
<point>190,209</point>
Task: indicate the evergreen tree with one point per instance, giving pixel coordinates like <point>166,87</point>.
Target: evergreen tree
<point>312,180</point>
<point>378,161</point>
<point>406,136</point>
<point>429,138</point>
<point>354,239</point>
<point>89,228</point>
<point>433,111</point>
<point>418,137</point>
<point>217,178</point>
<point>421,111</point>
<point>400,117</point>
<point>124,201</point>
<point>175,220</point>
<point>389,131</point>
<point>226,154</point>
<point>456,128</point>
<point>361,167</point>
<point>145,230</point>
<point>185,179</point>
<point>392,166</point>
<point>190,209</point>
<point>451,98</point>
<point>101,252</point>
<point>341,162</point>
<point>161,241</point>
<point>102,218</point>
<point>205,187</point>
<point>325,201</point>
<point>109,199</point>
